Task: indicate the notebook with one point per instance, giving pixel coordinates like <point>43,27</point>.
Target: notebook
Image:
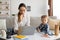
<point>20,37</point>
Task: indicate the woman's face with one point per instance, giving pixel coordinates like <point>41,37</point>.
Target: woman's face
<point>22,10</point>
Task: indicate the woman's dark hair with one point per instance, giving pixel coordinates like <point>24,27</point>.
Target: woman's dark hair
<point>19,14</point>
<point>22,5</point>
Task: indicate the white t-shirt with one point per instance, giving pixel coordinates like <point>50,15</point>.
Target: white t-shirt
<point>24,22</point>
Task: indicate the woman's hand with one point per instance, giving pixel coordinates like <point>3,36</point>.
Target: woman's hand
<point>21,17</point>
<point>19,30</point>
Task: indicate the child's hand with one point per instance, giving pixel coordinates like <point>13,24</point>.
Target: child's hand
<point>46,35</point>
<point>38,30</point>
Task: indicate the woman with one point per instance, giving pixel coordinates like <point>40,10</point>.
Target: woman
<point>22,19</point>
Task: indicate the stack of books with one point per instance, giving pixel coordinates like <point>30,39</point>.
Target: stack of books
<point>20,37</point>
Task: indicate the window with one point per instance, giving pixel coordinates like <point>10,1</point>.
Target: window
<point>56,8</point>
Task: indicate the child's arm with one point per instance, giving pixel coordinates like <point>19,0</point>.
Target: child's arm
<point>38,29</point>
<point>46,31</point>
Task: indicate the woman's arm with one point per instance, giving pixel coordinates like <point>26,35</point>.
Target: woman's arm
<point>17,29</point>
<point>16,22</point>
<point>28,20</point>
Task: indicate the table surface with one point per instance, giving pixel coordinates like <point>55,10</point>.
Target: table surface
<point>38,36</point>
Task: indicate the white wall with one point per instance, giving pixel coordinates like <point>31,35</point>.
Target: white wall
<point>38,7</point>
<point>56,8</point>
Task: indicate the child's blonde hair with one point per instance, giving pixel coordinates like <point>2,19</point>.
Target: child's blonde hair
<point>44,16</point>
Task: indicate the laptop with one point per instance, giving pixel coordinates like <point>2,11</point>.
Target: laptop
<point>28,30</point>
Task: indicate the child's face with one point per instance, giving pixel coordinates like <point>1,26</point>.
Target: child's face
<point>44,20</point>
